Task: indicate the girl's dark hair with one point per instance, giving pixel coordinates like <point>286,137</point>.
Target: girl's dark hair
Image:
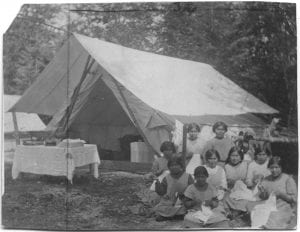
<point>167,145</point>
<point>200,170</point>
<point>209,153</point>
<point>233,149</point>
<point>247,137</point>
<point>192,126</point>
<point>275,160</point>
<point>176,160</point>
<point>240,145</point>
<point>258,150</point>
<point>217,124</point>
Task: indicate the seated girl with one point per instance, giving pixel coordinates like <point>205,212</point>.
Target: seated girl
<point>216,174</point>
<point>258,168</point>
<point>285,190</point>
<point>171,190</point>
<point>159,170</point>
<point>201,194</point>
<point>160,164</point>
<point>236,170</point>
<point>235,167</point>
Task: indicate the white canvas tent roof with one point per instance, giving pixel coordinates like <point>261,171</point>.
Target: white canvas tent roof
<point>130,91</point>
<point>26,121</point>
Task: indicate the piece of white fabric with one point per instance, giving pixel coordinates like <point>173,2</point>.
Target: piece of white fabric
<point>178,135</point>
<point>193,163</point>
<point>260,213</point>
<point>241,192</point>
<point>220,194</point>
<point>178,203</point>
<point>56,161</point>
<point>201,216</point>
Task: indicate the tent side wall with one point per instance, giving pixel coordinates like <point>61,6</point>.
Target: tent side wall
<point>56,83</point>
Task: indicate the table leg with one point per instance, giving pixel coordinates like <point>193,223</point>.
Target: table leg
<point>15,172</point>
<point>95,170</point>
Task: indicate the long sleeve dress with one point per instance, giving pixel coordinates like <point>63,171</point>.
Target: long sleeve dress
<point>282,218</point>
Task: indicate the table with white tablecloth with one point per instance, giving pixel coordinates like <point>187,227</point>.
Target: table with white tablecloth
<point>55,161</point>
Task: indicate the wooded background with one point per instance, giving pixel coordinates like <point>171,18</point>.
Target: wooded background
<point>252,43</point>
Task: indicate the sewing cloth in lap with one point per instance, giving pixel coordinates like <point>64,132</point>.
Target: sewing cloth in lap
<point>281,218</point>
<point>261,212</point>
<point>218,213</point>
<point>241,192</point>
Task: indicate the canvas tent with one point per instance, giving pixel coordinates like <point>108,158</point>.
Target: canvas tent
<point>102,91</point>
<point>26,121</point>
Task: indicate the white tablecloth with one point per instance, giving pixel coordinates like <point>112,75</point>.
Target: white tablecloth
<point>56,161</point>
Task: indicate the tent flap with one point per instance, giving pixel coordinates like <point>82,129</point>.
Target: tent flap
<point>155,121</point>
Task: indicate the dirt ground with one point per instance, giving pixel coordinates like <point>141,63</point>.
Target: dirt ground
<point>114,201</point>
<point>117,200</point>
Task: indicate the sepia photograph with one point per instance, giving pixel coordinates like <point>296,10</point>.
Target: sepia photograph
<point>150,116</point>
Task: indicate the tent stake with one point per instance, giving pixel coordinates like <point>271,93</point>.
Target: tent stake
<point>17,136</point>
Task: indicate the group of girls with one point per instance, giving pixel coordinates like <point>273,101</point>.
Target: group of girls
<point>223,165</point>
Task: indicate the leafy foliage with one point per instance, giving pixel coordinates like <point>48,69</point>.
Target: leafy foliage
<point>29,45</point>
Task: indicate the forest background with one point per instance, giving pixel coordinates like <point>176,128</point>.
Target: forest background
<point>252,43</point>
